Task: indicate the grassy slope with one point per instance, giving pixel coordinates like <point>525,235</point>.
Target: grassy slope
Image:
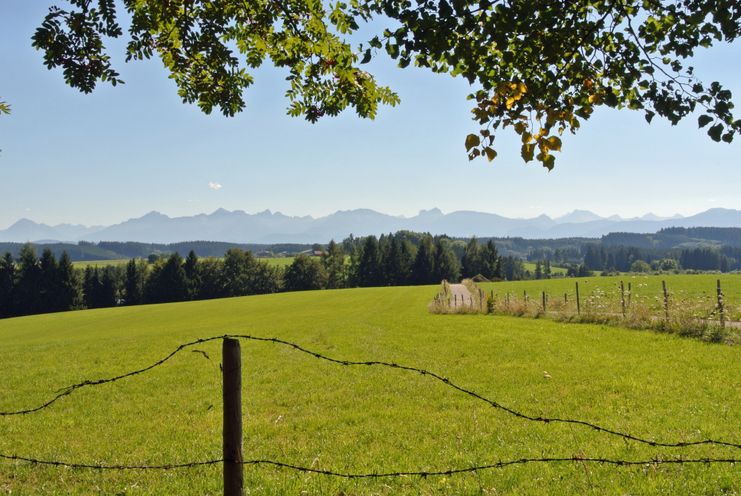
<point>308,412</point>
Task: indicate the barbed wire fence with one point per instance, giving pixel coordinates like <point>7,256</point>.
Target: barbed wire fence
<point>234,463</point>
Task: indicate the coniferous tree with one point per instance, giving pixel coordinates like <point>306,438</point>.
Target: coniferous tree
<point>491,262</point>
<point>134,282</point>
<point>192,276</point>
<point>167,281</point>
<point>334,264</point>
<point>68,293</point>
<point>7,282</point>
<point>538,270</point>
<point>47,287</point>
<point>424,263</point>
<point>28,278</point>
<point>370,272</point>
<point>472,260</point>
<point>91,287</point>
<point>406,259</point>
<point>394,272</point>
<point>446,266</point>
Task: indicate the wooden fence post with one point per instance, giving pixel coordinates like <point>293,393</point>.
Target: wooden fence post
<point>232,392</point>
<point>565,298</point>
<point>622,297</point>
<point>630,292</point>
<point>578,303</point>
<point>666,300</point>
<point>721,307</point>
<point>544,307</point>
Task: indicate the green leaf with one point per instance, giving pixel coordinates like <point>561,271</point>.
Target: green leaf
<point>472,141</point>
<point>704,120</point>
<point>366,57</point>
<point>528,149</point>
<point>715,132</point>
<point>491,154</point>
<point>549,161</point>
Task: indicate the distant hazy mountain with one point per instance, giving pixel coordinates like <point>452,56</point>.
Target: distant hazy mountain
<point>273,227</point>
<point>28,230</point>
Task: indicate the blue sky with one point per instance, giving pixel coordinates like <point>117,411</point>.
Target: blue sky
<point>121,152</point>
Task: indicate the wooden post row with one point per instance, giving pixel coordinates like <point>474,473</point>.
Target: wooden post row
<point>232,429</point>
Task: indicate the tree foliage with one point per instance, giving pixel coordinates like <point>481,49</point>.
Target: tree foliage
<point>539,67</point>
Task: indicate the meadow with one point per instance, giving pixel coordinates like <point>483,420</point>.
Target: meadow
<point>362,419</point>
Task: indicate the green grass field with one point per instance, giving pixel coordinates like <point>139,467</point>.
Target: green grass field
<point>554,270</point>
<point>278,261</point>
<point>300,410</point>
<point>99,263</point>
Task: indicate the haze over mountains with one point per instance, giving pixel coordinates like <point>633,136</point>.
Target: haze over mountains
<point>274,227</point>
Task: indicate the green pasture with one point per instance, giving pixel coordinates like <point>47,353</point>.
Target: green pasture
<point>364,419</point>
<point>100,263</point>
<point>554,270</point>
<point>684,290</point>
<point>277,261</point>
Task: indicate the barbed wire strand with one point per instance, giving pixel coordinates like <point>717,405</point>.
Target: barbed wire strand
<point>378,475</point>
<point>681,444</point>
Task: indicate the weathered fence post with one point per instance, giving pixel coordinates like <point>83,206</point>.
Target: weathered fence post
<point>622,297</point>
<point>565,299</point>
<point>721,307</point>
<point>666,300</point>
<point>544,307</point>
<point>232,391</point>
<point>578,303</point>
<point>630,292</point>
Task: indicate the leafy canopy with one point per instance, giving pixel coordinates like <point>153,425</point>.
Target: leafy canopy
<point>539,67</point>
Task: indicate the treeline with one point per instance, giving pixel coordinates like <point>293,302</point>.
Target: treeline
<point>634,259</point>
<point>31,285</point>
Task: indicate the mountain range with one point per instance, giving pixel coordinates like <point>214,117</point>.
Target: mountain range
<point>274,227</point>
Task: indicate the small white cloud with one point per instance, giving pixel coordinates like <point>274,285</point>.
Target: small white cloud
<point>214,186</point>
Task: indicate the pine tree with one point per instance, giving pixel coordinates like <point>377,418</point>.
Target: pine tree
<point>369,267</point>
<point>28,277</point>
<point>7,282</point>
<point>167,281</point>
<point>134,283</point>
<point>68,292</point>
<point>91,287</point>
<point>472,261</point>
<point>446,265</point>
<point>191,275</point>
<point>538,270</point>
<point>334,264</point>
<point>491,262</point>
<point>48,282</point>
<point>424,263</point>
